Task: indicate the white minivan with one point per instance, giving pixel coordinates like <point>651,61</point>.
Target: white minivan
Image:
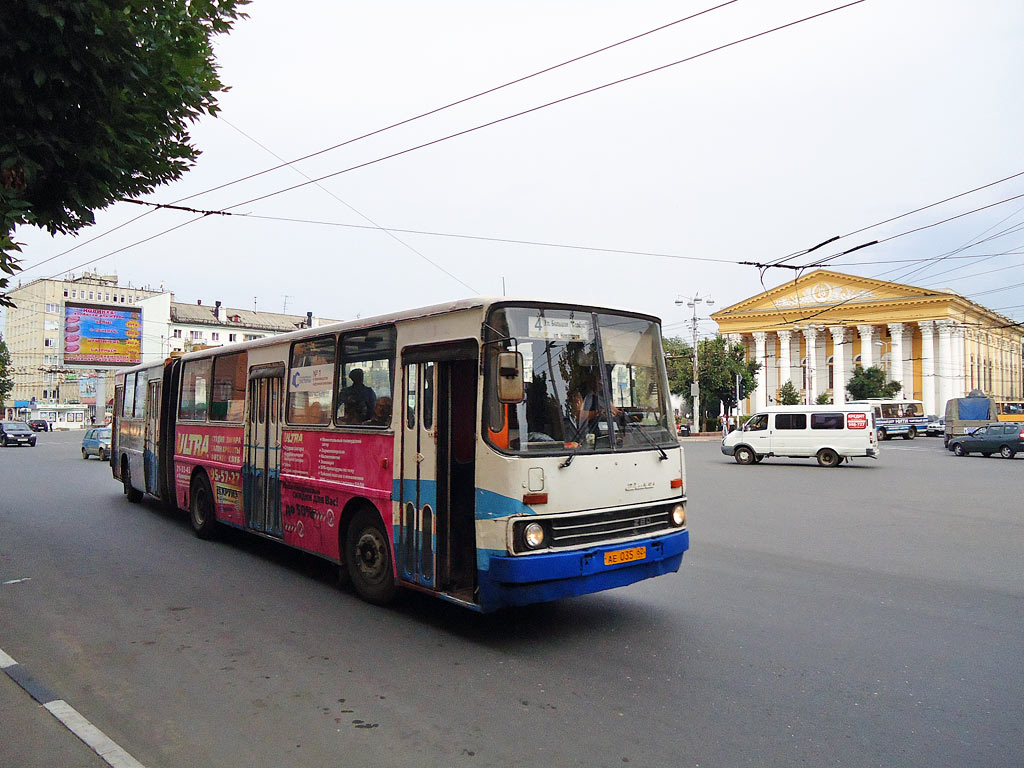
<point>829,433</point>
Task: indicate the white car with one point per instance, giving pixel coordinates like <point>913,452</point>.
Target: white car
<point>936,426</point>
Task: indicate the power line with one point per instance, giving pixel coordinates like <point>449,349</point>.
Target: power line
<point>546,105</point>
<point>286,163</point>
<point>463,100</point>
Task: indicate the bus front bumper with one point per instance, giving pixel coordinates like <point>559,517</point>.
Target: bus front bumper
<point>554,575</point>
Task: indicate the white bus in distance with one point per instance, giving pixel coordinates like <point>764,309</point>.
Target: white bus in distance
<point>829,433</point>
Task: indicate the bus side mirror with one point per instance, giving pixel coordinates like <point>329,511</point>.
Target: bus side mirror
<point>510,377</point>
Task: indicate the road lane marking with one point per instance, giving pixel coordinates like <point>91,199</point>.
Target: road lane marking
<point>112,754</point>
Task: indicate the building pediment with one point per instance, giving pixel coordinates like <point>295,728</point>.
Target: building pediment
<point>822,289</point>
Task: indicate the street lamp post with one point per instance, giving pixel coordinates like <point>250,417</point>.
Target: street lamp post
<point>692,302</point>
<point>885,366</point>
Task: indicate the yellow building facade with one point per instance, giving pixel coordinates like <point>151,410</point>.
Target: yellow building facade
<point>815,329</point>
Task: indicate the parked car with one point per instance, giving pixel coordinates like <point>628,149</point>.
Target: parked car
<point>96,443</point>
<point>38,425</point>
<point>1004,438</point>
<point>16,433</point>
<point>684,430</point>
<point>936,426</point>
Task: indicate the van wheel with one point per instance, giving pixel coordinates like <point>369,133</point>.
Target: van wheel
<point>1006,452</point>
<point>201,513</point>
<point>911,434</point>
<point>828,458</point>
<point>744,455</point>
<point>882,435</point>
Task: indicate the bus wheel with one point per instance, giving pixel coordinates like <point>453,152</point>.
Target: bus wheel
<point>744,455</point>
<point>368,557</point>
<point>911,434</point>
<point>828,458</point>
<point>200,507</point>
<point>134,494</point>
<point>881,435</point>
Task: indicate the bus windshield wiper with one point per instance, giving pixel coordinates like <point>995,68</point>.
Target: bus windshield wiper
<point>649,439</point>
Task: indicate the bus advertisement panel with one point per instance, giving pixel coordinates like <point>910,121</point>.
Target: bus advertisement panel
<point>102,335</point>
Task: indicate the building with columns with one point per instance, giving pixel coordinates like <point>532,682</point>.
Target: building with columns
<point>814,330</point>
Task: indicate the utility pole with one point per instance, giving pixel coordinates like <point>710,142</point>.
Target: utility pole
<point>692,302</point>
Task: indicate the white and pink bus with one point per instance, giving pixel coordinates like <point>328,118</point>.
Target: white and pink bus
<point>491,452</point>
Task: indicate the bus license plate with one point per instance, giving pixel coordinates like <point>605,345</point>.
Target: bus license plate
<point>625,555</point>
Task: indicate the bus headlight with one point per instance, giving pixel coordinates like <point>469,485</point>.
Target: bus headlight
<point>533,535</point>
<point>678,515</point>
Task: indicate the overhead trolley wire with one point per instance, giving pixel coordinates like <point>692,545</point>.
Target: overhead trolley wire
<point>724,46</point>
<point>463,100</point>
<point>539,107</point>
<point>516,81</point>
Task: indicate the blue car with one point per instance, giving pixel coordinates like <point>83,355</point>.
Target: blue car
<point>96,443</point>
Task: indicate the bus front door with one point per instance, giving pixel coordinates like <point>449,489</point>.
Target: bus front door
<point>436,538</point>
<point>260,482</point>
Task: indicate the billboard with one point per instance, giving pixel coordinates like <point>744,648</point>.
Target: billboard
<point>102,335</point>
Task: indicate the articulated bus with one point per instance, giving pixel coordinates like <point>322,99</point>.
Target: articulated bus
<point>490,452</point>
<point>905,418</point>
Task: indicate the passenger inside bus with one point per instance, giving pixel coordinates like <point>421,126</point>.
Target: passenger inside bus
<point>356,401</point>
<point>381,413</point>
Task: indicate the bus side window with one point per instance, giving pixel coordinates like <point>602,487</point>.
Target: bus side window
<point>311,381</point>
<point>366,377</point>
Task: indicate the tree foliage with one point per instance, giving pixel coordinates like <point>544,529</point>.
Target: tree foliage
<point>718,365</point>
<point>789,394</point>
<point>6,379</point>
<point>97,99</point>
<point>870,382</point>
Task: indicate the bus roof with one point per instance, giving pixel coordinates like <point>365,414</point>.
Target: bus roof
<point>432,310</point>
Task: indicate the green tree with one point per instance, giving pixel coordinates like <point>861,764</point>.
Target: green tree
<point>97,99</point>
<point>718,365</point>
<point>789,394</point>
<point>6,380</point>
<point>823,399</point>
<point>870,382</point>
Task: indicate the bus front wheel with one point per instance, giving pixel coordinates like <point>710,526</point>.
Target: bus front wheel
<point>368,558</point>
<point>911,434</point>
<point>881,435</point>
<point>201,512</point>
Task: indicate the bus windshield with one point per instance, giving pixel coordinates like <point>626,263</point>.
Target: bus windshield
<point>595,382</point>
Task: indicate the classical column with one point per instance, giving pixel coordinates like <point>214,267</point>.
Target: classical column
<point>957,338</point>
<point>943,366</point>
<point>867,345</point>
<point>838,364</point>
<point>785,358</point>
<point>928,368</point>
<point>896,359</point>
<point>760,394</point>
<point>811,336</point>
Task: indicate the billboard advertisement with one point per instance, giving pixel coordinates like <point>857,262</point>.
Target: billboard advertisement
<point>102,335</point>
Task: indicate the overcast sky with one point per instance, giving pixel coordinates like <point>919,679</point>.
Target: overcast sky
<point>750,153</point>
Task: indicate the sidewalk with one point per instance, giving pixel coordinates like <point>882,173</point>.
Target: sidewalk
<point>30,737</point>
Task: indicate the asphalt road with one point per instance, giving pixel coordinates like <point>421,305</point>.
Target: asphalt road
<point>868,615</point>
